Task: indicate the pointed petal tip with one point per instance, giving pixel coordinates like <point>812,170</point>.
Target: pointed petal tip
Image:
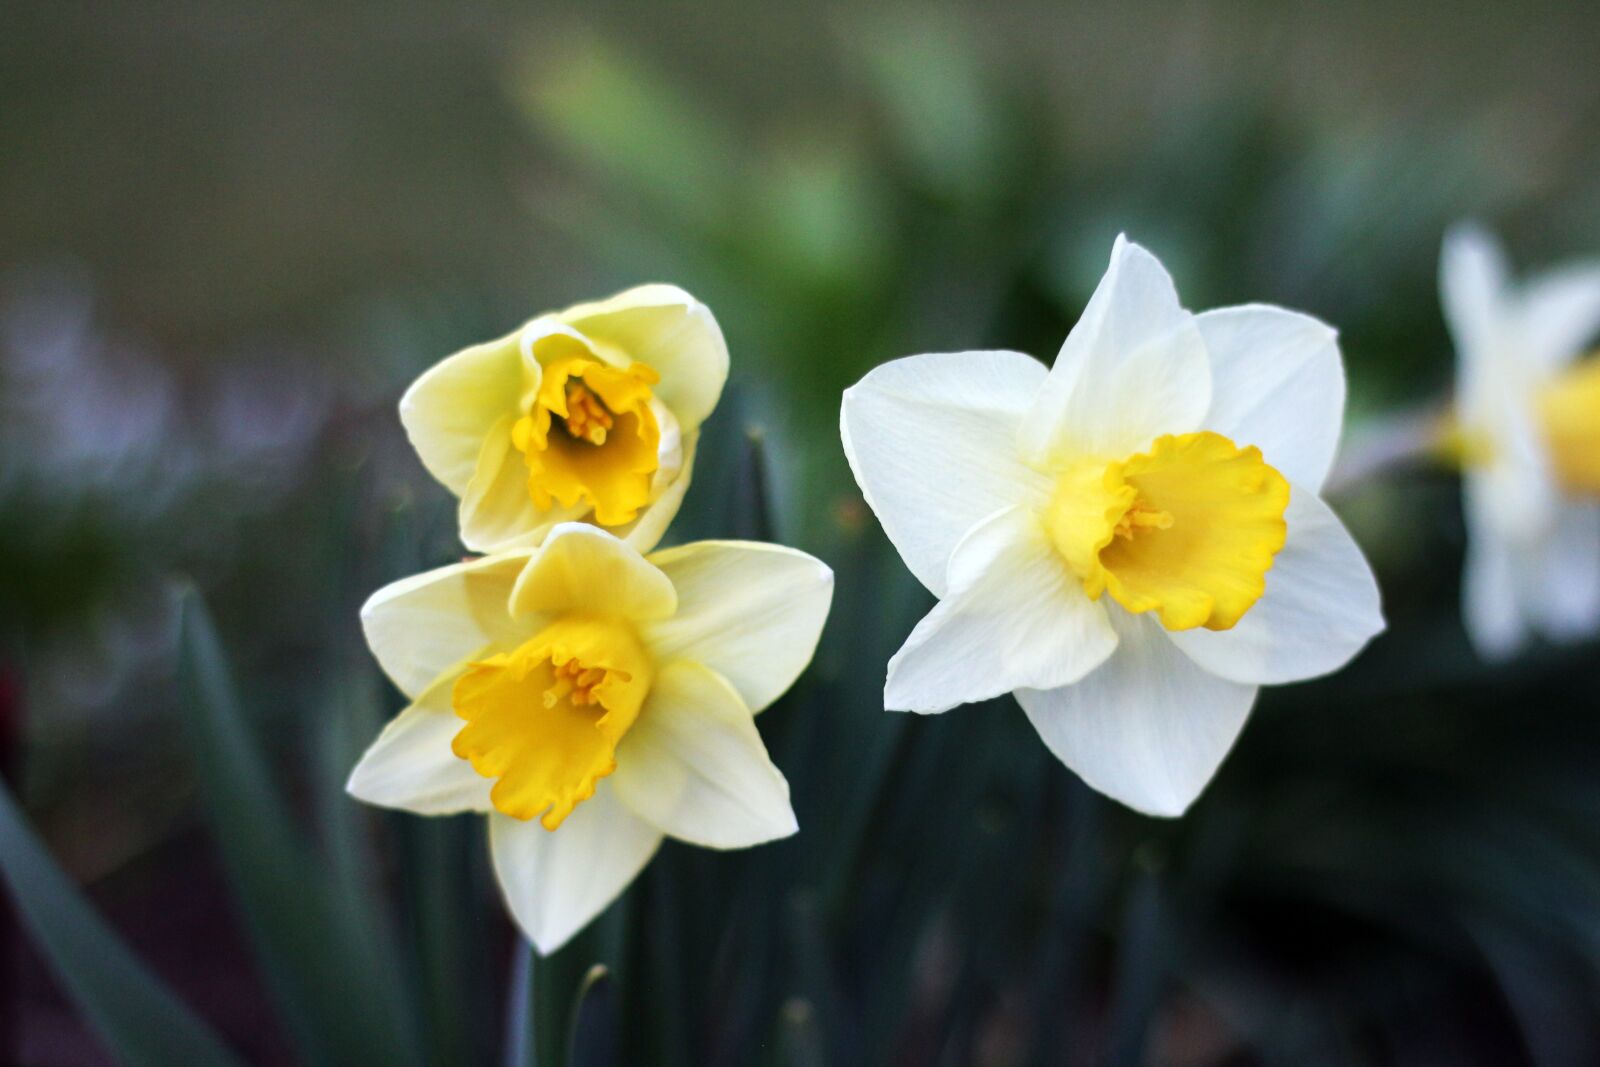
<point>786,830</point>
<point>1168,808</point>
<point>900,704</point>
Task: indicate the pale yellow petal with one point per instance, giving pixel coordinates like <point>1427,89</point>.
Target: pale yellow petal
<point>694,765</point>
<point>671,331</point>
<point>752,612</point>
<point>583,569</point>
<point>450,411</point>
<point>423,626</point>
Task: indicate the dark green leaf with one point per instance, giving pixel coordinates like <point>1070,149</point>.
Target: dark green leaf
<point>340,1002</point>
<point>137,1016</point>
<point>594,1022</point>
<point>521,1041</point>
<point>1139,966</point>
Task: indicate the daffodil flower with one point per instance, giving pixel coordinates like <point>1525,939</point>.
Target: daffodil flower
<point>591,413</point>
<point>590,700</point>
<point>1527,432</point>
<point>1132,541</point>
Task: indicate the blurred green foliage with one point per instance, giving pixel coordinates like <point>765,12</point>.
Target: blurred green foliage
<point>1399,864</point>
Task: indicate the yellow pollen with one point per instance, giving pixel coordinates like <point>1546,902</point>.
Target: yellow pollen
<point>545,720</point>
<point>575,682</point>
<point>1188,529</point>
<point>587,418</point>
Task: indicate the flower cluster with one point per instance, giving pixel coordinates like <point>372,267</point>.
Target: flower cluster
<point>585,693</point>
<point>1131,542</point>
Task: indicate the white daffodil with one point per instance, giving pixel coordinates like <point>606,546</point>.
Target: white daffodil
<point>1527,431</point>
<point>1131,542</point>
<point>591,413</point>
<point>590,700</point>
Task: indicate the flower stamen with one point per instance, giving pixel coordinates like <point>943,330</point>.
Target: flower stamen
<point>588,419</point>
<point>575,682</point>
<point>1141,516</point>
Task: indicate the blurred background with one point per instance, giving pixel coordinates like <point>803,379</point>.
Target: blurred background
<point>230,235</point>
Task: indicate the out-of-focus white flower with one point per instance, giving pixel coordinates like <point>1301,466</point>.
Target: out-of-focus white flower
<point>591,413</point>
<point>1131,542</point>
<point>1527,433</point>
<point>590,700</point>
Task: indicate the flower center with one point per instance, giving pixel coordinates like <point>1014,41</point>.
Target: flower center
<point>1187,529</point>
<point>605,448</point>
<point>545,720</point>
<point>588,419</point>
<point>1569,409</point>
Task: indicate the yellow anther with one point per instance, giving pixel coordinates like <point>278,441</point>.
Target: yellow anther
<point>588,419</point>
<point>1142,516</point>
<point>576,684</point>
<point>561,687</point>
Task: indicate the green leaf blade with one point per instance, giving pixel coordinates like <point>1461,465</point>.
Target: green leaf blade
<point>325,972</point>
<point>137,1016</point>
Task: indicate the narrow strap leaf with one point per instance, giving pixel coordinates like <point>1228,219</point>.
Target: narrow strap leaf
<point>137,1016</point>
<point>319,954</point>
<point>594,1021</point>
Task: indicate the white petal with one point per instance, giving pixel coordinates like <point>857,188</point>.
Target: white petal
<point>671,331</point>
<point>1490,607</point>
<point>1496,377</point>
<point>1321,607</point>
<point>1564,602</point>
<point>1515,491</point>
<point>1132,369</point>
<point>1473,277</point>
<point>449,411</point>
<point>1149,728</point>
<point>1015,616</point>
<point>411,766</point>
<point>1560,314</point>
<point>422,626</point>
<point>751,612</point>
<point>1277,383</point>
<point>693,765</point>
<point>932,442</point>
<point>556,881</point>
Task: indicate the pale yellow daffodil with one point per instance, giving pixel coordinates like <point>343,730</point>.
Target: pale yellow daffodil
<point>589,700</point>
<point>1527,433</point>
<point>590,414</point>
<point>1132,541</point>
